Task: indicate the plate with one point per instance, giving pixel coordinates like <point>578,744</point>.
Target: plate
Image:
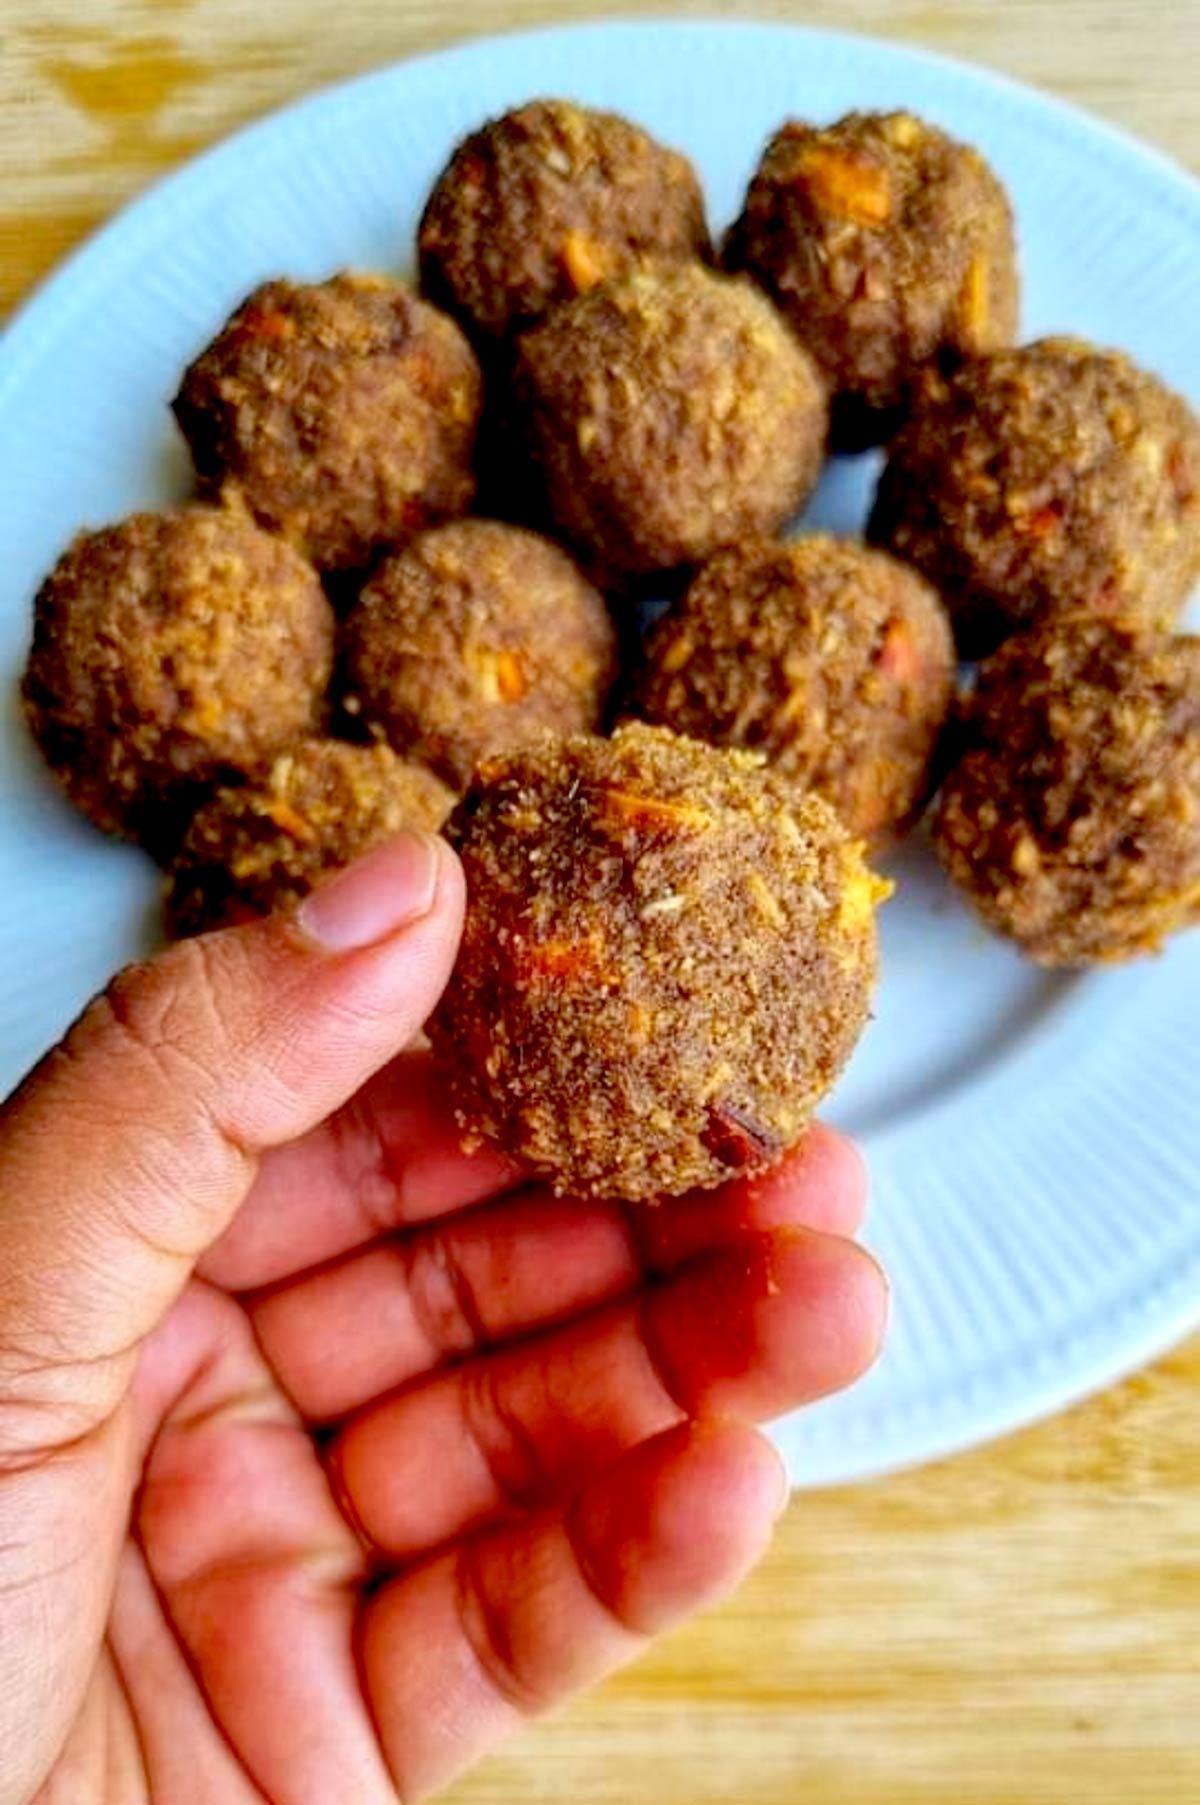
<point>1032,1137</point>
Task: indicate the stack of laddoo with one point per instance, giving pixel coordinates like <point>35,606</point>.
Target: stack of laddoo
<point>411,592</point>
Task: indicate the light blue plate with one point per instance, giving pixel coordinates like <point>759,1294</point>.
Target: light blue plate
<point>1033,1138</point>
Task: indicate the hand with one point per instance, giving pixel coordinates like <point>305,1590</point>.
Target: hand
<point>328,1454</point>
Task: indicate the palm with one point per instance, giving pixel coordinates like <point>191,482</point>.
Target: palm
<point>418,1455</point>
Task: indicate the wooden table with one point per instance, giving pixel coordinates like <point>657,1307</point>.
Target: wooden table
<point>1019,1626</point>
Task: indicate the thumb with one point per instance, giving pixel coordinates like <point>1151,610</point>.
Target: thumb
<point>121,1157</point>
<point>128,1150</point>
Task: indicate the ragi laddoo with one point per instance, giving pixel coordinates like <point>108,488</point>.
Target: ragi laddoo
<point>265,844</point>
<point>545,202</point>
<point>835,661</point>
<point>1049,479</point>
<point>668,956</point>
<point>342,413</point>
<point>668,413</point>
<point>886,244</point>
<point>1071,819</point>
<point>475,639</point>
<point>170,651</point>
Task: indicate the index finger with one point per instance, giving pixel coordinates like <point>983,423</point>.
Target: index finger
<point>393,1159</point>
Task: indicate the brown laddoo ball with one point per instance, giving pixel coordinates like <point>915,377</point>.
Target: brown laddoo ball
<point>668,956</point>
<point>321,805</point>
<point>545,202</point>
<point>172,651</point>
<point>476,639</point>
<point>343,413</point>
<point>1042,481</point>
<point>1072,818</point>
<point>885,244</point>
<point>835,661</point>
<point>669,413</point>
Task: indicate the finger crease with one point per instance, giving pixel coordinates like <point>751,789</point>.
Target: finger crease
<point>485,1631</point>
<point>49,1450</point>
<point>168,1058</point>
<point>660,1365</point>
<point>508,1449</point>
<point>588,1574</point>
<point>362,1159</point>
<point>259,1403</point>
<point>443,1298</point>
<point>320,1570</point>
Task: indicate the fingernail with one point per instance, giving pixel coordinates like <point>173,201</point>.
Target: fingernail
<point>374,898</point>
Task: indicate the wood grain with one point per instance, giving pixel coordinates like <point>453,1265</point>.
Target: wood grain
<point>1014,1627</point>
<point>98,98</point>
<point>1019,1626</point>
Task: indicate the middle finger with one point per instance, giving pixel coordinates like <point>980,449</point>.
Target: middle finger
<point>374,1320</point>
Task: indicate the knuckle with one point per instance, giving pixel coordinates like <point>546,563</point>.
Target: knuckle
<point>507,1444</point>
<point>364,1166</point>
<point>176,1010</point>
<point>165,1038</point>
<point>484,1613</point>
<point>443,1297</point>
<point>142,1075</point>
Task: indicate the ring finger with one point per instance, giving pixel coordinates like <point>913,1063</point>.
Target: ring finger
<point>771,1322</point>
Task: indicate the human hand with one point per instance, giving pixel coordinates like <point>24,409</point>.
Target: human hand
<point>327,1453</point>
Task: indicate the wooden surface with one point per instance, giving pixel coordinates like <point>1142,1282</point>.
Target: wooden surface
<point>1021,1625</point>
